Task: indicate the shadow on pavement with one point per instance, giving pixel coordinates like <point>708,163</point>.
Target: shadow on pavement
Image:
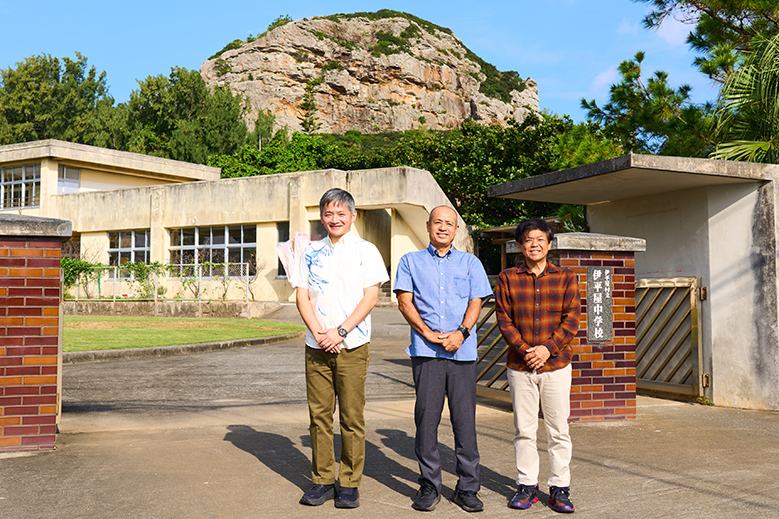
<point>403,445</point>
<point>277,452</point>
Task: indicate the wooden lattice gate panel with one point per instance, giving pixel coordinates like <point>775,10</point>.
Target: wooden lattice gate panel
<point>668,339</point>
<point>491,381</point>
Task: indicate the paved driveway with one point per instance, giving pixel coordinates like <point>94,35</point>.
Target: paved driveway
<point>225,435</point>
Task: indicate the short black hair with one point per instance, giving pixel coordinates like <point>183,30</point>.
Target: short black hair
<point>337,196</point>
<point>533,224</point>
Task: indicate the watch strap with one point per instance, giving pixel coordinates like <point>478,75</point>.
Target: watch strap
<point>465,331</point>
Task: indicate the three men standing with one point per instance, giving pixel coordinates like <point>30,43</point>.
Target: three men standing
<point>439,292</point>
<point>538,309</point>
<point>337,282</point>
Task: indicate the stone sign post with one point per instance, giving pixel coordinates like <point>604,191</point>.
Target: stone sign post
<point>604,361</point>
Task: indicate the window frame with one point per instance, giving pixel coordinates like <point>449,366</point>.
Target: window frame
<point>281,273</point>
<point>30,181</point>
<point>132,251</point>
<point>202,247</point>
<point>65,184</point>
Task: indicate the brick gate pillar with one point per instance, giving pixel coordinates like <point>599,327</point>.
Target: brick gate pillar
<point>30,324</point>
<point>604,360</point>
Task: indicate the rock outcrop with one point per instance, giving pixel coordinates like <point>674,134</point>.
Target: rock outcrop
<point>369,73</point>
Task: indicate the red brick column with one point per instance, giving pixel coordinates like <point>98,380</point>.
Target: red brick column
<point>604,373</point>
<point>29,330</point>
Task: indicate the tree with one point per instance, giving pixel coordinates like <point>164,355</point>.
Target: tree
<point>651,116</point>
<point>279,22</point>
<point>263,127</point>
<point>724,29</point>
<point>308,120</point>
<point>178,117</point>
<point>464,162</point>
<point>748,107</point>
<point>45,98</point>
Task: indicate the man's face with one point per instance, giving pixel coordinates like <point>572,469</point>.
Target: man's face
<point>535,246</point>
<point>442,227</point>
<point>337,219</point>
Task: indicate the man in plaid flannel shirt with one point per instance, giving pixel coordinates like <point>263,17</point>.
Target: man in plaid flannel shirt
<point>538,308</point>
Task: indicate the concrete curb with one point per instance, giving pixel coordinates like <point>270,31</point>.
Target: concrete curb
<point>84,357</point>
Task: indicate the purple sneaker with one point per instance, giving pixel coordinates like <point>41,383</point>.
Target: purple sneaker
<point>560,499</point>
<point>525,496</point>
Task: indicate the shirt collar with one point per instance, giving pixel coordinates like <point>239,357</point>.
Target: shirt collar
<point>433,252</point>
<point>345,239</point>
<point>549,269</point>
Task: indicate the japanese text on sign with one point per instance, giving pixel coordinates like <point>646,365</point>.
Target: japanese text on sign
<point>599,316</point>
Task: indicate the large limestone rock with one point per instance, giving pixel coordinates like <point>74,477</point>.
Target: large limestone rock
<point>425,78</point>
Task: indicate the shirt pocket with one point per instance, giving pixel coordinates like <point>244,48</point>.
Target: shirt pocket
<point>462,287</point>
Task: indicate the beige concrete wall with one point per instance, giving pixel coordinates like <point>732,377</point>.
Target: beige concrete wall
<point>95,180</point>
<point>393,204</point>
<point>403,240</point>
<point>726,235</point>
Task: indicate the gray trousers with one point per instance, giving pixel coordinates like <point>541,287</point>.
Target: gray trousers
<point>435,379</point>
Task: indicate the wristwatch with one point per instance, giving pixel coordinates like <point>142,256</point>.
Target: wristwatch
<point>465,331</point>
<point>342,331</point>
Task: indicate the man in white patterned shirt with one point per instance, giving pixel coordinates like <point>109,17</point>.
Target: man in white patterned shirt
<point>337,282</point>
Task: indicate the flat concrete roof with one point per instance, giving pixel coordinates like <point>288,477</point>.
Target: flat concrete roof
<point>93,157</point>
<point>631,176</point>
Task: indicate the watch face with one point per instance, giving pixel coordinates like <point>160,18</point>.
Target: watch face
<point>342,331</point>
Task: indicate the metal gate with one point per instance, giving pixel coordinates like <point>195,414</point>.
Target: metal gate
<point>491,381</point>
<point>668,338</point>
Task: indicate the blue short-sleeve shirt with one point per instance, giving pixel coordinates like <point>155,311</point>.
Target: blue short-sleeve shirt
<point>442,288</point>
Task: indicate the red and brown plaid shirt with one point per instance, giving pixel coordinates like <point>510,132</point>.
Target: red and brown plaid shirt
<point>534,310</point>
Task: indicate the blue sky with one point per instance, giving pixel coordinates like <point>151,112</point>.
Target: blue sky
<point>570,47</point>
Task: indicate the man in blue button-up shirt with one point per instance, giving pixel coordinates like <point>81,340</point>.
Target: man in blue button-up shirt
<point>439,291</point>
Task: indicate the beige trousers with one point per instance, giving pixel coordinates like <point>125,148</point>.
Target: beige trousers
<point>553,389</point>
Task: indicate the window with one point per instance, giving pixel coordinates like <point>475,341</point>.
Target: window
<point>20,186</point>
<point>68,180</point>
<point>318,230</point>
<point>127,247</point>
<point>282,228</point>
<point>222,244</point>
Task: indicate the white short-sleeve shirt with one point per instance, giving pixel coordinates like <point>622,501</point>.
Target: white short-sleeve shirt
<point>335,276</point>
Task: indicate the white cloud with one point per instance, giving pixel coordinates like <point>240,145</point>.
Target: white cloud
<point>674,32</point>
<point>625,27</point>
<point>600,85</point>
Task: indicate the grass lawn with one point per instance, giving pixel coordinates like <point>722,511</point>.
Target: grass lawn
<point>88,333</point>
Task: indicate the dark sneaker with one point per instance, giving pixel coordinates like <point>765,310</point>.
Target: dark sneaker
<point>426,499</point>
<point>467,500</point>
<point>317,495</point>
<point>347,497</point>
<point>560,499</point>
<point>524,497</point>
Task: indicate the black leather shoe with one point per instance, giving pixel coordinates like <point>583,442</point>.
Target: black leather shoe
<point>347,498</point>
<point>467,500</point>
<point>426,499</point>
<point>317,495</point>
